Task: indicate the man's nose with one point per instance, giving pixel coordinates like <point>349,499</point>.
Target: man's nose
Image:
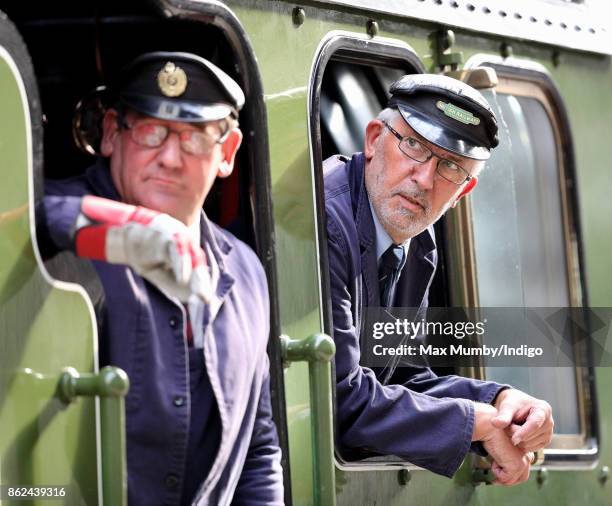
<point>170,152</point>
<point>423,174</point>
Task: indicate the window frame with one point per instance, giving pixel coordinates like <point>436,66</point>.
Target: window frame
<point>254,124</point>
<point>352,48</point>
<point>524,78</point>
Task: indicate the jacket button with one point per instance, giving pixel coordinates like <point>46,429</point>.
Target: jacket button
<point>173,322</point>
<point>171,480</point>
<point>178,401</point>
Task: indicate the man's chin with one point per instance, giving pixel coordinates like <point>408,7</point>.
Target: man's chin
<point>165,204</point>
<point>403,223</point>
<point>403,231</point>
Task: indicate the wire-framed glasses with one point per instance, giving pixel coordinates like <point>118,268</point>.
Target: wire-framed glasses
<point>417,151</point>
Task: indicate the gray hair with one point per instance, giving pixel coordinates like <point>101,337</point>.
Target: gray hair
<point>389,114</point>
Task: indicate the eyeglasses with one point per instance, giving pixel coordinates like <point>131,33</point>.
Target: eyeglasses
<point>418,152</point>
<point>198,142</point>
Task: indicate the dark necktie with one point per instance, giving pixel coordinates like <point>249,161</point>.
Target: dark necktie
<point>391,264</point>
<point>188,327</point>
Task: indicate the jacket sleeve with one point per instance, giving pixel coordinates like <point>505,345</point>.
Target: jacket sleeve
<point>55,220</point>
<point>261,480</point>
<point>424,380</point>
<point>433,432</point>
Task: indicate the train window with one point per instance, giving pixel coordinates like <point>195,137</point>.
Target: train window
<point>522,227</point>
<point>349,88</point>
<point>524,196</point>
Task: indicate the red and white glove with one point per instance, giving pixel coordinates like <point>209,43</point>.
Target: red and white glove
<point>155,245</point>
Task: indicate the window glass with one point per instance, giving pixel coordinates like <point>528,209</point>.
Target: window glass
<point>519,240</point>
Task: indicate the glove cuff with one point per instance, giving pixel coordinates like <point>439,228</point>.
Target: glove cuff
<point>90,242</point>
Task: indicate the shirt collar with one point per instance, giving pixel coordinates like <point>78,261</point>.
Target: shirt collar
<point>383,239</point>
<point>194,231</point>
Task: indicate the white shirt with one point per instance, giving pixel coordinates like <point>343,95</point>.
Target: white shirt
<point>194,231</point>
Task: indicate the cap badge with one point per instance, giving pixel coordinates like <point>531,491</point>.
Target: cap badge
<point>172,80</point>
<point>452,111</point>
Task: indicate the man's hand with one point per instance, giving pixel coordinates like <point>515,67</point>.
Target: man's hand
<point>155,245</point>
<point>528,420</point>
<point>510,465</point>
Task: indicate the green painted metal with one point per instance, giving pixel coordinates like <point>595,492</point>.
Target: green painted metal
<point>318,350</point>
<point>482,476</point>
<point>313,349</point>
<point>111,385</point>
<point>442,44</point>
<point>43,328</point>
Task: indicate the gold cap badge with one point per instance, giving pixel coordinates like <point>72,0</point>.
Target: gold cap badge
<point>172,80</point>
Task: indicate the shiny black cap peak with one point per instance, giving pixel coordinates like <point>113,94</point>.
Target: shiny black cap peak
<point>448,113</point>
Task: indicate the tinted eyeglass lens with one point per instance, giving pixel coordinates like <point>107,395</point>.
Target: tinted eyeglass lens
<point>149,135</point>
<point>194,142</point>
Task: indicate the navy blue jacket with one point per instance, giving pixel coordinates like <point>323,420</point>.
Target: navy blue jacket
<point>143,333</point>
<point>422,418</point>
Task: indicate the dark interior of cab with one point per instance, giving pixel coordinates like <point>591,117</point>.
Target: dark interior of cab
<point>78,46</point>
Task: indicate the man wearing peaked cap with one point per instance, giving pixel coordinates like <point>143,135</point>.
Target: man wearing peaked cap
<point>186,88</point>
<point>422,154</point>
<point>179,292</point>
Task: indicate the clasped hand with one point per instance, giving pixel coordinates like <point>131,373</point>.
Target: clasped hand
<point>511,430</point>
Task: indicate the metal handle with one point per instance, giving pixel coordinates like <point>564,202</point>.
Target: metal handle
<point>111,384</point>
<point>318,350</point>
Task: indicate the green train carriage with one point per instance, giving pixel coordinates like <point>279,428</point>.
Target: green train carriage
<point>313,73</point>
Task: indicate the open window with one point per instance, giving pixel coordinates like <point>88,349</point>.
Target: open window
<point>76,47</point>
<point>520,234</point>
<point>349,87</point>
<point>526,199</point>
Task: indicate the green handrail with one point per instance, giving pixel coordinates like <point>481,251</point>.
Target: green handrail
<point>111,384</point>
<point>318,350</point>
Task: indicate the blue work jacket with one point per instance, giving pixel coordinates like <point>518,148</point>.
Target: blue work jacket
<point>420,417</point>
<point>143,332</point>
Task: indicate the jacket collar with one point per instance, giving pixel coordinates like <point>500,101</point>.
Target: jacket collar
<point>99,177</point>
<point>361,203</point>
<point>221,251</point>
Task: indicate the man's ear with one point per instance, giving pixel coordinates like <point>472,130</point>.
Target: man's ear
<point>110,130</point>
<point>373,133</point>
<point>229,149</point>
<point>466,189</point>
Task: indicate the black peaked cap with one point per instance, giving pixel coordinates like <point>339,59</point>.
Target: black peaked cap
<point>447,113</point>
<point>178,87</point>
